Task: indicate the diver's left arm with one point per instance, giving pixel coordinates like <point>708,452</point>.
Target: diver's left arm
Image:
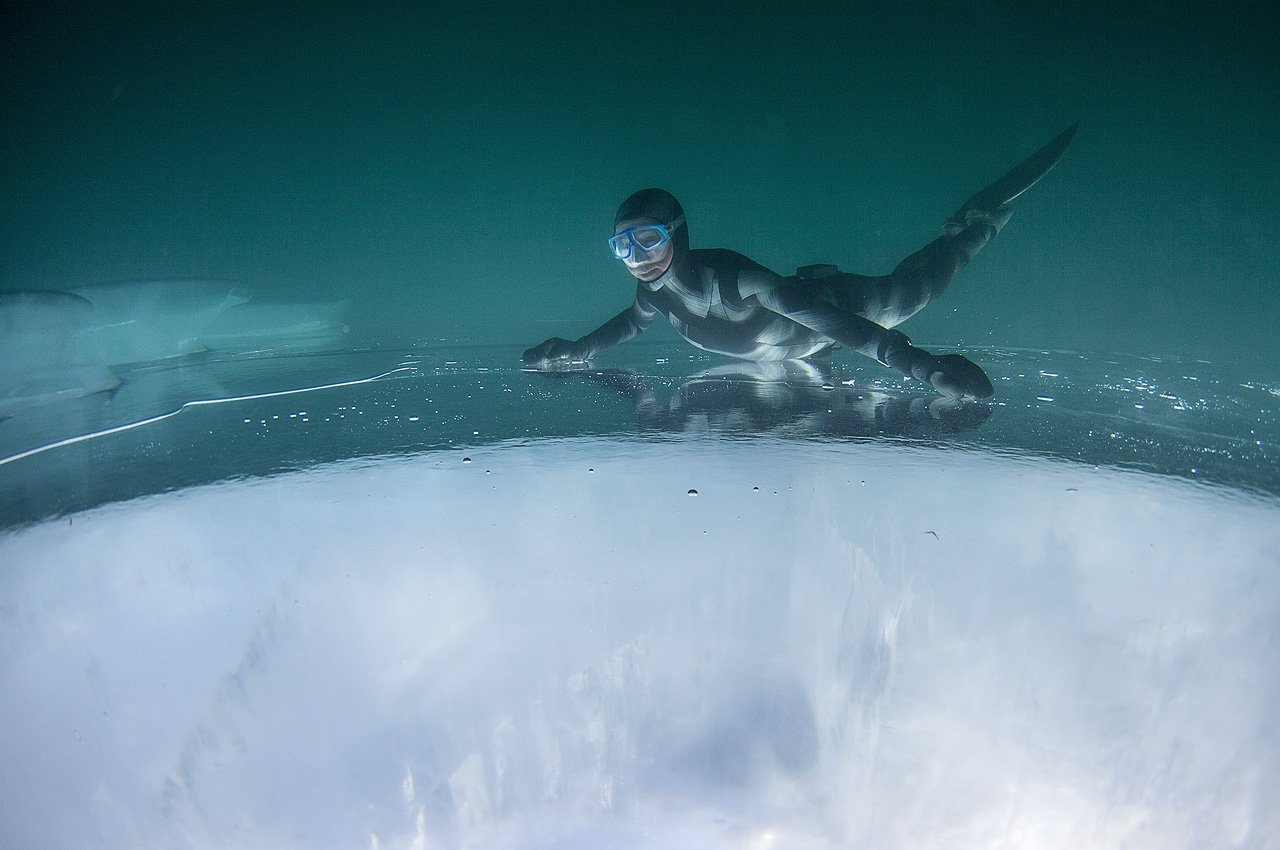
<point>622,327</point>
<point>950,374</point>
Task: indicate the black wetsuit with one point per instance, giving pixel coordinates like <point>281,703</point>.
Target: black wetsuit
<point>725,303</point>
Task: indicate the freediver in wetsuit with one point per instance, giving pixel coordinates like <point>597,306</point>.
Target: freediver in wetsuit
<point>725,303</point>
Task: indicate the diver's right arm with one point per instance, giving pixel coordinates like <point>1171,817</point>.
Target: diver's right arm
<point>950,374</point>
<point>622,327</point>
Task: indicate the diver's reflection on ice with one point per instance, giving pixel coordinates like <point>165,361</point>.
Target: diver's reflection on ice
<point>793,397</point>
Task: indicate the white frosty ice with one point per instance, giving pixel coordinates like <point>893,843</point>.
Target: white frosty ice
<point>43,354</point>
<point>902,648</point>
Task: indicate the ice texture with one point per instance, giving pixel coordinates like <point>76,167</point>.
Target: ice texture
<point>44,356</point>
<point>58,345</point>
<point>137,321</point>
<point>279,327</point>
<point>834,645</point>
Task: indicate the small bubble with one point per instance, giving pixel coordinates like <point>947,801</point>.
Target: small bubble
<point>755,489</point>
<point>693,492</point>
<point>590,469</point>
<point>466,460</point>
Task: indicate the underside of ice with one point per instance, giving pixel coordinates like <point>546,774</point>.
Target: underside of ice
<point>857,645</point>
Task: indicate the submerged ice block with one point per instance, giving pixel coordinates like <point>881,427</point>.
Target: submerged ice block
<point>140,321</point>
<point>58,345</point>
<point>279,327</point>
<point>44,356</point>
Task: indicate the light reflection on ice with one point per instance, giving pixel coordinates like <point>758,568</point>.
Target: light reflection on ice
<point>963,650</point>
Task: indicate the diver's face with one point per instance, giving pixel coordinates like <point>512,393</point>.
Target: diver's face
<point>644,265</point>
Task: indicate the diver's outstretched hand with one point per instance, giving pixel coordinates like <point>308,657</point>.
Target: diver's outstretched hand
<point>950,374</point>
<point>554,352</point>
<point>959,377</point>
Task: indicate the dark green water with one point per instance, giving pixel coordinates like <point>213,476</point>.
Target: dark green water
<point>453,169</point>
<point>289,575</point>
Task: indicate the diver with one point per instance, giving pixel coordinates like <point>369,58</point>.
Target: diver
<point>725,303</point>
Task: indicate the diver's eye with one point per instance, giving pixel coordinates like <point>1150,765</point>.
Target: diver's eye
<point>648,238</point>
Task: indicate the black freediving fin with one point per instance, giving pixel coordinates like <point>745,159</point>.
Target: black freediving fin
<point>1025,175</point>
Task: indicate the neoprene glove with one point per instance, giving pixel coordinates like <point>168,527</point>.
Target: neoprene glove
<point>950,374</point>
<point>957,376</point>
<point>554,350</point>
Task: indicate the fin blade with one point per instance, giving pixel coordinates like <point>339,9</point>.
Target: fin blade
<point>1023,176</point>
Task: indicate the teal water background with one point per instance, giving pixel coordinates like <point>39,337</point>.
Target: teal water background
<point>453,168</point>
<point>264,582</point>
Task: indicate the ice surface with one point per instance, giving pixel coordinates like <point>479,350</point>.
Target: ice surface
<point>187,421</point>
<point>834,645</point>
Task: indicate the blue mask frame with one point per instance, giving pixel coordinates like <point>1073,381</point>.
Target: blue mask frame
<point>624,244</point>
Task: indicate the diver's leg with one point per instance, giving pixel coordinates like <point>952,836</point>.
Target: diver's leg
<point>893,298</point>
<point>925,275</point>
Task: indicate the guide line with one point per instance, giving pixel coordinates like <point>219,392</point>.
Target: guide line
<point>202,402</point>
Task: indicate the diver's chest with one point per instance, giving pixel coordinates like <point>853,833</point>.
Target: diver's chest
<point>706,302</point>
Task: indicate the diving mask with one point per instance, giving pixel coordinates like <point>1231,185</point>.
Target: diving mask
<point>645,238</point>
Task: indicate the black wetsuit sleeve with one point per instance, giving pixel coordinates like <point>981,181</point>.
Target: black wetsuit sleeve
<point>802,305</point>
<point>952,374</point>
<point>622,327</point>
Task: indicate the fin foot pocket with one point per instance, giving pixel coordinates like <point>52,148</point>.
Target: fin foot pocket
<point>995,219</point>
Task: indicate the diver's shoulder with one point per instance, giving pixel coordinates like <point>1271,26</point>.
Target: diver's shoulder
<point>723,258</point>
